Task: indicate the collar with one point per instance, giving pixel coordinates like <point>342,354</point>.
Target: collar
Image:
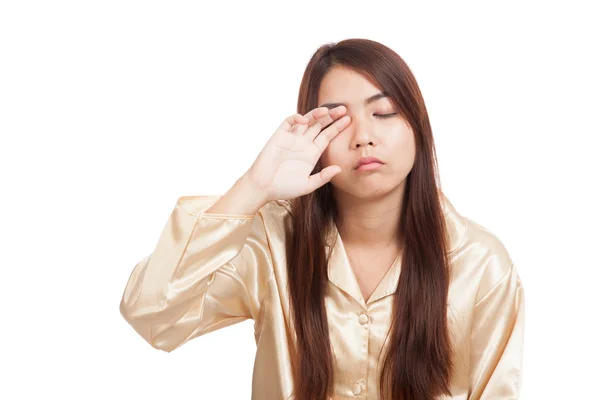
<point>340,273</point>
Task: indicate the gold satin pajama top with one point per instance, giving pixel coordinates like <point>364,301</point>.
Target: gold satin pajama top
<point>209,271</point>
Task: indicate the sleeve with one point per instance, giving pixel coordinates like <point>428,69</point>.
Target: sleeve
<point>207,271</point>
<point>497,337</point>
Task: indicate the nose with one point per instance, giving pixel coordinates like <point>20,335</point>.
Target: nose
<point>362,133</point>
<point>358,144</point>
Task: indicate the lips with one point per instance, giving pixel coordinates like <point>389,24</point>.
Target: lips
<point>367,160</point>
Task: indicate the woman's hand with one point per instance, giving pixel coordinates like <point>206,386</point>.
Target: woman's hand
<point>283,167</point>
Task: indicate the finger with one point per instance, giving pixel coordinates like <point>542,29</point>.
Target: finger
<point>299,128</point>
<point>319,113</point>
<point>323,121</point>
<point>311,116</point>
<point>331,114</point>
<point>313,130</point>
<point>337,112</point>
<point>317,180</point>
<point>290,121</point>
<point>327,119</point>
<point>316,113</point>
<point>323,115</point>
<point>322,139</point>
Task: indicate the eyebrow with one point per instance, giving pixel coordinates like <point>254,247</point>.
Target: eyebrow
<point>369,100</point>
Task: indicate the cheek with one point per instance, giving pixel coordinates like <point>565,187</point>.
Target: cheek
<point>331,156</point>
<point>328,155</point>
<point>401,139</point>
<point>404,148</point>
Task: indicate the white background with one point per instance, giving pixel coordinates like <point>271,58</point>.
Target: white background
<point>109,111</point>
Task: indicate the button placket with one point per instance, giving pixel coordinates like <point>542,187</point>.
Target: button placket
<point>358,386</point>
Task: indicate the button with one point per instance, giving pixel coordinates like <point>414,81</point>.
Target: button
<point>363,319</point>
<point>357,389</point>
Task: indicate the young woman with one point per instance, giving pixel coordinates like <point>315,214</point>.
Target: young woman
<point>362,278</point>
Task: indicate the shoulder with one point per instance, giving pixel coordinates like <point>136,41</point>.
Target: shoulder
<point>477,252</point>
<point>469,239</point>
<point>485,257</point>
<point>486,241</point>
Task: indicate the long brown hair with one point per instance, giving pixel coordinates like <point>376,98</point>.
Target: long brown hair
<point>418,362</point>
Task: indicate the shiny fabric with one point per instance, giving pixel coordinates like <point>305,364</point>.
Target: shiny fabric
<point>209,271</point>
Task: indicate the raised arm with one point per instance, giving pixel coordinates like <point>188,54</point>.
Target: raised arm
<point>207,271</point>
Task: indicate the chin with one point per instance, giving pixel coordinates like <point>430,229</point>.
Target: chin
<point>364,190</point>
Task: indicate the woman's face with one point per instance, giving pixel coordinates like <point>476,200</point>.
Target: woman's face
<point>390,139</point>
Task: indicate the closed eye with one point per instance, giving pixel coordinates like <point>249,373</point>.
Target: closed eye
<point>384,115</point>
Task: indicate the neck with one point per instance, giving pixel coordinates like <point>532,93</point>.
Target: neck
<point>372,223</point>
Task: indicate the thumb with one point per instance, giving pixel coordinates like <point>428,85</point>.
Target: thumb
<point>317,180</point>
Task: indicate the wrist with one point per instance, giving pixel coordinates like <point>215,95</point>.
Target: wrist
<point>255,196</point>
